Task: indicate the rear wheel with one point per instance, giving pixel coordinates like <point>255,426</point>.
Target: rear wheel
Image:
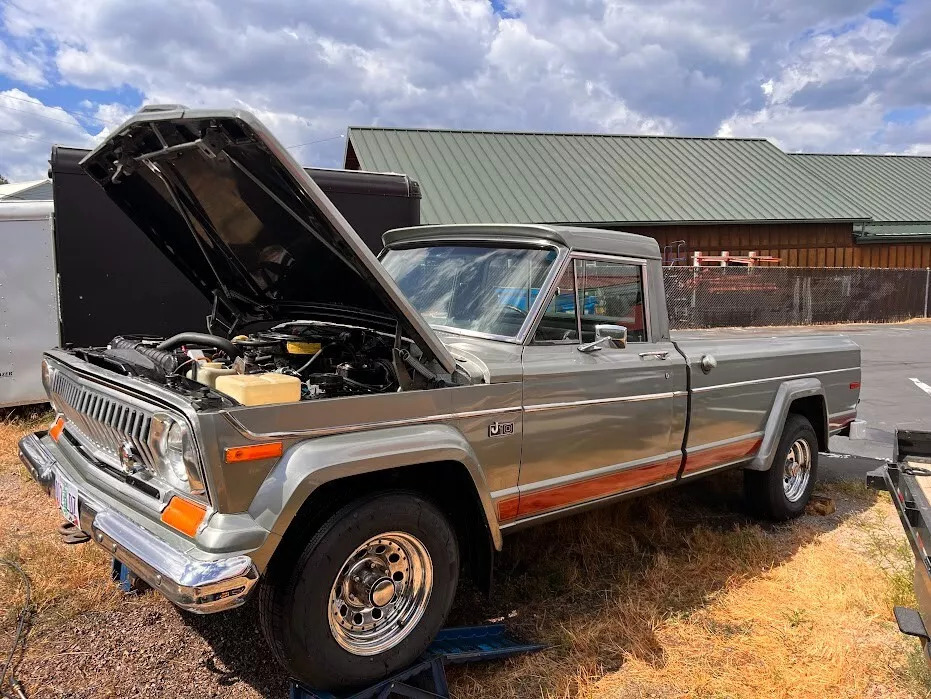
<point>784,490</point>
<point>365,596</point>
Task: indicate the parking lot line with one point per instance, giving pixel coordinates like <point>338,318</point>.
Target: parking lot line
<point>922,385</point>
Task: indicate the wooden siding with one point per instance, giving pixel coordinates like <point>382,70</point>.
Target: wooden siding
<point>798,244</point>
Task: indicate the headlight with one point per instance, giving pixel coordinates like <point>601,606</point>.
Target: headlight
<point>173,443</point>
<point>48,378</point>
<point>48,375</point>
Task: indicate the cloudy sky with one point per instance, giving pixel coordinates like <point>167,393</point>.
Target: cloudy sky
<point>816,75</point>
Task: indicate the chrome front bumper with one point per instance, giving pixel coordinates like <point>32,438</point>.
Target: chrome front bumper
<point>200,586</point>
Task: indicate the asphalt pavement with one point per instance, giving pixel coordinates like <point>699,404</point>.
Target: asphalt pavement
<point>895,392</point>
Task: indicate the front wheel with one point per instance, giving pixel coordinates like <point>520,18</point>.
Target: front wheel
<point>784,490</point>
<point>367,594</point>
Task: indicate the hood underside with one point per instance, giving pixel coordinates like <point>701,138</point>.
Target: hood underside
<point>223,199</point>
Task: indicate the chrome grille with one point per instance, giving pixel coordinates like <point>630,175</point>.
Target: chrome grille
<point>101,422</point>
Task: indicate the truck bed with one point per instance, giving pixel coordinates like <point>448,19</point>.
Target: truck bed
<point>735,398</point>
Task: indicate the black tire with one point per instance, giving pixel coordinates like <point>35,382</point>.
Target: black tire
<point>294,595</point>
<point>765,491</point>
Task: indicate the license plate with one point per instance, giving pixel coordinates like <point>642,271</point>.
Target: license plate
<point>67,496</point>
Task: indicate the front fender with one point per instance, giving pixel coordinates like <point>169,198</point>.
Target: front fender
<point>311,463</point>
<point>785,395</point>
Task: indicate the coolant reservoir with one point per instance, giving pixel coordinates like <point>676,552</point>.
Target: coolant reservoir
<point>303,347</point>
<point>260,389</point>
<point>207,373</point>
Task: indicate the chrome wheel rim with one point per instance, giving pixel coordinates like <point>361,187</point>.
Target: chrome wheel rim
<point>797,470</point>
<point>380,593</point>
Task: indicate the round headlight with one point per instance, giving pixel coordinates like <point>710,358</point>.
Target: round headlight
<point>173,444</point>
<point>174,451</point>
<point>48,373</point>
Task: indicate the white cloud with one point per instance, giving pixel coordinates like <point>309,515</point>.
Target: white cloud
<point>24,67</point>
<point>832,94</point>
<point>28,130</point>
<point>814,75</point>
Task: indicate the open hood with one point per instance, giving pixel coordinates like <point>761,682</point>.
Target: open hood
<point>223,199</point>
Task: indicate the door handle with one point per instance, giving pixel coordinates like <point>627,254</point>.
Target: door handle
<point>658,354</point>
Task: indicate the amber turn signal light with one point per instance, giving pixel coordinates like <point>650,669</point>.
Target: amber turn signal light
<point>55,430</point>
<point>183,515</point>
<point>253,452</point>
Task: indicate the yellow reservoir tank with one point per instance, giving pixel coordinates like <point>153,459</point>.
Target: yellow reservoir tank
<point>260,389</point>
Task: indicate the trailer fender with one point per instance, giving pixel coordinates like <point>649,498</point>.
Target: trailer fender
<point>786,394</point>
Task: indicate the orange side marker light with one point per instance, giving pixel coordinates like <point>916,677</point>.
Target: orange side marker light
<point>184,515</point>
<point>254,452</point>
<point>56,429</point>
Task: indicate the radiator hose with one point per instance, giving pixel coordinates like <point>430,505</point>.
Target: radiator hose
<point>232,351</point>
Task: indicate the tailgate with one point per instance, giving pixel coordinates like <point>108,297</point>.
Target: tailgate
<point>908,480</point>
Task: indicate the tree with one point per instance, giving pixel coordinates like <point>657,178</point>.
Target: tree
<point>4,180</point>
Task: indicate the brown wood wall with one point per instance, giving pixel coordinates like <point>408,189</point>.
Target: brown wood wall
<point>798,244</point>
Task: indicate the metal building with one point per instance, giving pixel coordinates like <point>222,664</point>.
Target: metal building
<point>712,194</point>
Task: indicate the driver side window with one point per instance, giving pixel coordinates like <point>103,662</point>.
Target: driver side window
<point>559,324</point>
<point>613,293</point>
<point>607,293</point>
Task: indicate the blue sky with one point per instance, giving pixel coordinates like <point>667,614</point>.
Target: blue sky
<point>815,75</point>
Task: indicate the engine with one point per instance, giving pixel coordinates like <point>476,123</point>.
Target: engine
<point>301,360</point>
<point>329,361</point>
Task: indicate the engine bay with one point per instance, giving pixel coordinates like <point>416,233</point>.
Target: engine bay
<point>293,361</point>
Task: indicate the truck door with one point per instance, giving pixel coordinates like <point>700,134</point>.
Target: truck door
<point>606,421</point>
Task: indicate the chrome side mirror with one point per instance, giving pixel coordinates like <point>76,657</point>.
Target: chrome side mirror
<point>606,334</point>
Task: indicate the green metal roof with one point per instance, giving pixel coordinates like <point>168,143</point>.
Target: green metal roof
<point>893,233</point>
<point>892,188</point>
<point>516,177</point>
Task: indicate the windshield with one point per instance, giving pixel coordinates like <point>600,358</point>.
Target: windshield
<point>476,288</point>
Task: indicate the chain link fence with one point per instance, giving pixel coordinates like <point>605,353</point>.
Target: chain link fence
<point>717,297</point>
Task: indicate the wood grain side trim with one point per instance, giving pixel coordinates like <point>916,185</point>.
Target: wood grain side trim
<point>718,456</point>
<point>598,487</point>
<point>508,508</point>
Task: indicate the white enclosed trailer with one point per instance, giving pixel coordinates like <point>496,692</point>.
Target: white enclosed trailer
<point>28,298</point>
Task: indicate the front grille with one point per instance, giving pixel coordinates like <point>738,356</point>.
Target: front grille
<point>102,422</point>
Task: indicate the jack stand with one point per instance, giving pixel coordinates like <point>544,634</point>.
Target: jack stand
<point>128,581</point>
<point>426,679</point>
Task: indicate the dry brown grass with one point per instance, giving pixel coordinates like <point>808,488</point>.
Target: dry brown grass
<point>691,604</point>
<point>66,580</point>
<point>676,595</point>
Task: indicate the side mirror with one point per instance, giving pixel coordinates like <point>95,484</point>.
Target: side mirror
<point>606,334</point>
<point>616,333</point>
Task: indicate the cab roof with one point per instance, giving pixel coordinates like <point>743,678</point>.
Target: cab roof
<point>596,240</point>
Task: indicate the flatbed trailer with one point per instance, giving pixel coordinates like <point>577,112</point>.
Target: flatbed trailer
<point>907,478</point>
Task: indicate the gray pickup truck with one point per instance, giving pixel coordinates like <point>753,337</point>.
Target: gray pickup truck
<point>353,432</point>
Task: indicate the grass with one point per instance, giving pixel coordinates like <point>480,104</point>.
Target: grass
<point>680,607</point>
<point>676,595</point>
<point>66,581</point>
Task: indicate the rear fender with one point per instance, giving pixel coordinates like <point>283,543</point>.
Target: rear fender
<point>311,463</point>
<point>787,393</point>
